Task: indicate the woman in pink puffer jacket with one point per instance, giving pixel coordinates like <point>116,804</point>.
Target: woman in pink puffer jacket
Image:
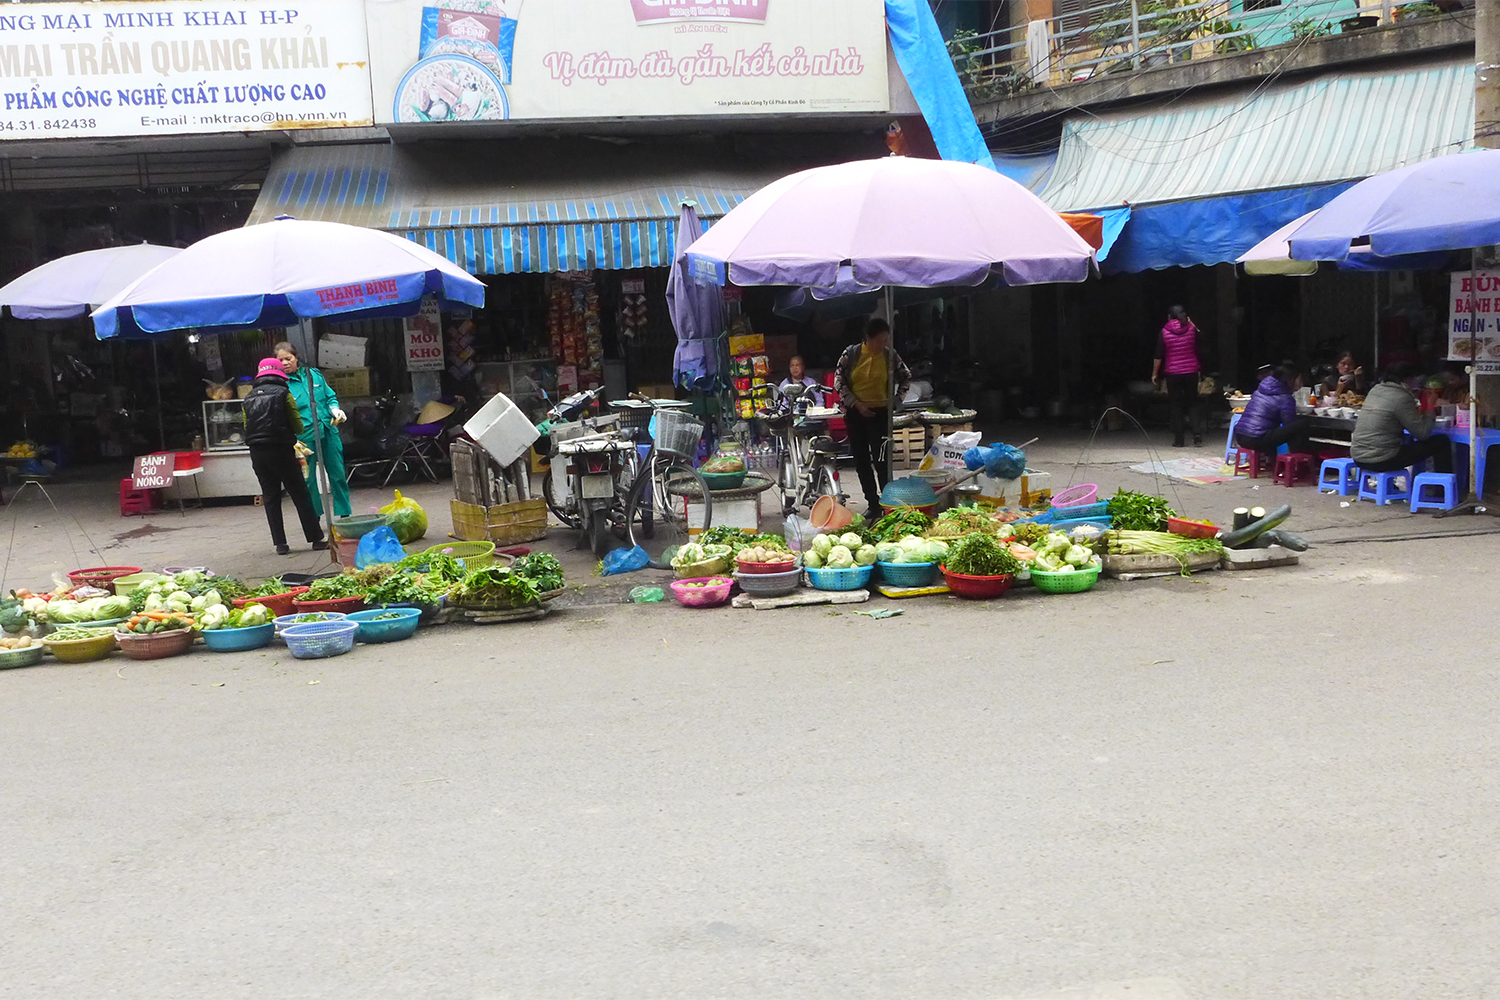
<point>1177,353</point>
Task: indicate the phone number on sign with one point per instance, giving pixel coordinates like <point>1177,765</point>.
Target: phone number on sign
<point>47,124</point>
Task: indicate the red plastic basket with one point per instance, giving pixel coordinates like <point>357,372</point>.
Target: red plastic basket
<point>348,605</point>
<point>155,646</point>
<point>277,604</point>
<point>102,577</point>
<point>978,588</point>
<point>757,568</point>
<point>1191,529</point>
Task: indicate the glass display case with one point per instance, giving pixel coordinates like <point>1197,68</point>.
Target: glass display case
<point>224,424</point>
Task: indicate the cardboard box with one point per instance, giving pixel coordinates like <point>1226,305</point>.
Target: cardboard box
<point>747,343</point>
<point>658,390</point>
<point>348,383</point>
<point>338,351</point>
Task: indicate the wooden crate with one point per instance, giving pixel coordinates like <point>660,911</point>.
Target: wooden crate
<point>936,431</point>
<point>908,445</point>
<point>503,524</point>
<point>471,481</point>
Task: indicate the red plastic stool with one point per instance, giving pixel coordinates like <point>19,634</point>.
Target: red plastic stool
<point>134,501</point>
<point>1247,460</point>
<point>1290,466</point>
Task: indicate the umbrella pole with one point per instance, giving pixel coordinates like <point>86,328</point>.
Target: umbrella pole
<point>161,425</point>
<point>1474,502</point>
<point>317,429</point>
<point>890,393</point>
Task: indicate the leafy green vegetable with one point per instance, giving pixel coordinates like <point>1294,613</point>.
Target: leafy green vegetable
<point>269,588</point>
<point>1139,512</point>
<point>496,586</point>
<point>332,588</point>
<point>959,521</point>
<point>434,565</point>
<point>980,555</point>
<point>408,588</point>
<point>1160,543</point>
<point>903,520</point>
<point>541,569</point>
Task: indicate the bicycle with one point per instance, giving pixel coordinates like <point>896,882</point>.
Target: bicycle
<point>809,457</point>
<point>668,489</point>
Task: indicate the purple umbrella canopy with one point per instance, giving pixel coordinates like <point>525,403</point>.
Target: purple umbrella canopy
<point>898,221</point>
<point>1447,203</point>
<point>697,311</point>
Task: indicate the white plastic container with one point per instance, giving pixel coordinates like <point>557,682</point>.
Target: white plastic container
<point>502,429</point>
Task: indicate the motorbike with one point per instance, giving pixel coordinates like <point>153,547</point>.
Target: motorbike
<point>599,470</point>
<point>809,466</point>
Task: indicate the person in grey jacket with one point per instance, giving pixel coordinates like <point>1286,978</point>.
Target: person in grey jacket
<point>1378,444</point>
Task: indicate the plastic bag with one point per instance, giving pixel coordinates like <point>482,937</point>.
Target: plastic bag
<point>379,546</point>
<point>407,518</point>
<point>798,532</point>
<point>625,561</point>
<point>648,595</point>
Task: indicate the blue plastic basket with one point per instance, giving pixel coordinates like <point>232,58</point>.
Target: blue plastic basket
<point>389,630</point>
<point>284,622</point>
<point>1059,515</point>
<point>908,574</point>
<point>1099,522</point>
<point>852,578</point>
<point>319,639</point>
<point>236,640</point>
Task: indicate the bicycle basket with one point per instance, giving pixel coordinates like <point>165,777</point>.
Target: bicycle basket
<point>676,432</point>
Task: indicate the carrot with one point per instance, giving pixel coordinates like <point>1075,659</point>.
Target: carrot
<point>1023,553</point>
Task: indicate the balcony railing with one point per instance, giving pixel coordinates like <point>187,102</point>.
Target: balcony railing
<point>1096,37</point>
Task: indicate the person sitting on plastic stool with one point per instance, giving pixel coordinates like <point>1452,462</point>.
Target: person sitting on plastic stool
<point>1378,443</point>
<point>1270,419</point>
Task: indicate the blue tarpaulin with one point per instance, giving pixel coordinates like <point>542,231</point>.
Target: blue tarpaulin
<point>1207,230</point>
<point>928,67</point>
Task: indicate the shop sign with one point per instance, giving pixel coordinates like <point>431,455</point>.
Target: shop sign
<point>424,338</point>
<point>154,472</point>
<point>438,61</point>
<point>1474,318</point>
<point>175,67</point>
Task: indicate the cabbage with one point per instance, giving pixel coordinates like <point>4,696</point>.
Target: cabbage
<point>839,557</point>
<point>865,555</point>
<point>937,549</point>
<point>851,541</point>
<point>812,560</point>
<point>888,552</point>
<point>822,545</point>
<point>1077,555</point>
<point>911,542</point>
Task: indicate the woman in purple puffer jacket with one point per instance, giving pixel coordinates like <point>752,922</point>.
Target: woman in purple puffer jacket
<point>1177,353</point>
<point>1270,419</point>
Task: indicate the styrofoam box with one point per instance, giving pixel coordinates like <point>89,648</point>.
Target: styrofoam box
<point>338,351</point>
<point>502,429</point>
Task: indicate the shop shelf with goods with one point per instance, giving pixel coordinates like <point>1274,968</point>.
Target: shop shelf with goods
<point>574,334</point>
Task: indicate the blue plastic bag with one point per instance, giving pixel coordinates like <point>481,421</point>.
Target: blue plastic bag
<point>379,546</point>
<point>625,561</point>
<point>999,461</point>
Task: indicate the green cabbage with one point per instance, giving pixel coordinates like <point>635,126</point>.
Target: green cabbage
<point>851,541</point>
<point>812,560</point>
<point>865,555</point>
<point>840,557</point>
<point>822,545</point>
<point>888,552</point>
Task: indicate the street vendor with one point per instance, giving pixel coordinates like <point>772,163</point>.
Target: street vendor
<point>1379,442</point>
<point>301,380</point>
<point>863,381</point>
<point>798,376</point>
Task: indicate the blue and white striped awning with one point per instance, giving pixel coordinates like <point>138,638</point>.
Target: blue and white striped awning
<point>508,208</point>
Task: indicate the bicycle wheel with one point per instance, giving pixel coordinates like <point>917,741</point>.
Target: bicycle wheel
<point>667,497</point>
<point>825,485</point>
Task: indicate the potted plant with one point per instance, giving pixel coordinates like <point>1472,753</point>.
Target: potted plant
<point>1413,11</point>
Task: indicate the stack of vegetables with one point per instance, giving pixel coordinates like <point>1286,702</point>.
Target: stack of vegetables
<point>333,588</point>
<point>699,559</point>
<point>1130,511</point>
<point>901,522</point>
<point>912,549</point>
<point>525,583</point>
<point>769,552</point>
<point>839,552</point>
<point>981,555</point>
<point>1058,553</point>
<point>68,611</point>
<point>1160,543</point>
<point>221,617</point>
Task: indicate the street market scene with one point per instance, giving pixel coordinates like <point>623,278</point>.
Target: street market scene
<point>751,499</point>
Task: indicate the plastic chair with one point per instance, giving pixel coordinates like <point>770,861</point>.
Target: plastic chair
<point>1290,467</point>
<point>1229,445</point>
<point>1447,482</point>
<point>1345,480</point>
<point>1249,460</point>
<point>134,501</point>
<point>1381,486</point>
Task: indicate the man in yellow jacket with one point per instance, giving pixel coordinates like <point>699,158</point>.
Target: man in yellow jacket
<point>863,380</point>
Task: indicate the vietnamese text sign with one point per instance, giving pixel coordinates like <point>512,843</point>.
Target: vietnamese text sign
<point>424,338</point>
<point>155,67</point>
<point>1474,316</point>
<point>154,472</point>
<point>543,59</point>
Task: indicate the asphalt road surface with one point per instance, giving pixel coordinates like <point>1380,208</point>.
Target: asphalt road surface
<point>1249,785</point>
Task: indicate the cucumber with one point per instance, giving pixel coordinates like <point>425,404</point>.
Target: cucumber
<point>1239,539</point>
<point>1284,538</point>
<point>1241,517</point>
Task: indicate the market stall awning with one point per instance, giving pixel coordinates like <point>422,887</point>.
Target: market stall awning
<point>1207,179</point>
<point>504,207</point>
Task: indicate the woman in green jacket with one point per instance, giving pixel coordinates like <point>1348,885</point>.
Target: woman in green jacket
<point>327,422</point>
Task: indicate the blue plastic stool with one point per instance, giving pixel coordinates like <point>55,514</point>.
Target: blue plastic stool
<point>1229,446</point>
<point>1384,490</point>
<point>1445,481</point>
<point>1345,480</point>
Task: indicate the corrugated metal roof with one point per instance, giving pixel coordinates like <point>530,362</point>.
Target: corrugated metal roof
<point>1293,135</point>
<point>498,207</point>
